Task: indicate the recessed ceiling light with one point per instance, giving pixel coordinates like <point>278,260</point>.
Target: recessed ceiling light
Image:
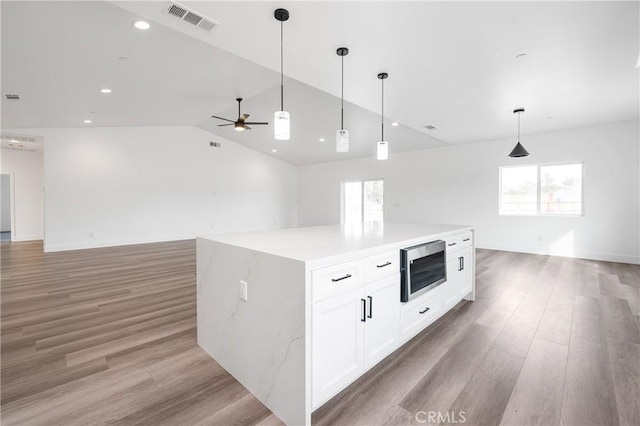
<point>14,141</point>
<point>142,25</point>
<point>395,124</point>
<point>321,139</point>
<point>87,121</point>
<point>274,150</point>
<point>105,90</point>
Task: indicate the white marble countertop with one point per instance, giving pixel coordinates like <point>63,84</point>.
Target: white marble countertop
<point>316,244</point>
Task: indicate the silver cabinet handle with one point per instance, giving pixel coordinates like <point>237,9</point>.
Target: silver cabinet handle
<point>383,265</point>
<point>341,278</point>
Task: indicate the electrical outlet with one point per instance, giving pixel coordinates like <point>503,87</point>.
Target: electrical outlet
<point>243,290</point>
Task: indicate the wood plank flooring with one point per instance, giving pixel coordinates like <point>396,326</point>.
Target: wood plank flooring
<point>107,336</point>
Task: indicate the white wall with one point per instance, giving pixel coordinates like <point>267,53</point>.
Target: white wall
<point>125,185</point>
<point>459,185</point>
<point>26,170</point>
<point>5,203</point>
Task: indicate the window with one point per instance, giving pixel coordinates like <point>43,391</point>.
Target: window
<point>519,190</point>
<point>541,190</point>
<point>362,201</point>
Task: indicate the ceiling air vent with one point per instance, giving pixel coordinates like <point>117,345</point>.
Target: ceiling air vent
<point>190,16</point>
<point>12,97</point>
<point>18,138</point>
<point>176,11</point>
<point>19,142</point>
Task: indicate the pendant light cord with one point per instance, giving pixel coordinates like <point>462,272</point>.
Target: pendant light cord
<point>342,97</point>
<point>518,127</point>
<point>281,67</point>
<point>382,114</point>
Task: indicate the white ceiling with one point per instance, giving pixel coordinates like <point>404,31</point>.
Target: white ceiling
<point>451,64</point>
<point>58,55</point>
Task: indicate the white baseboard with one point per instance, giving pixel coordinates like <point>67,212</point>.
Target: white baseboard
<point>49,248</point>
<point>608,257</point>
<point>17,238</point>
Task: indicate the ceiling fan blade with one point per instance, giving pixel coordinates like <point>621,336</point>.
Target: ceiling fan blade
<point>256,123</point>
<point>229,124</point>
<point>244,116</point>
<point>247,127</point>
<point>220,118</point>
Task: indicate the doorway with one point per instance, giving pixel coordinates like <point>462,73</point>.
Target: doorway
<point>6,216</point>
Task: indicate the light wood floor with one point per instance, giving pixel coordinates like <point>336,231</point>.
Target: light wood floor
<point>108,336</point>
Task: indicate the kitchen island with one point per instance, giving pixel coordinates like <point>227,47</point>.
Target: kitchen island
<point>297,314</point>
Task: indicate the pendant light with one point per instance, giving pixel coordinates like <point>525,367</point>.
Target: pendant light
<point>518,150</point>
<point>383,146</point>
<point>281,123</point>
<point>342,135</point>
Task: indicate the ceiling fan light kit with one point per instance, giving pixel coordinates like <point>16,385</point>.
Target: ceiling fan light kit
<point>281,119</point>
<point>382,152</point>
<point>518,150</point>
<point>241,124</point>
<point>342,135</point>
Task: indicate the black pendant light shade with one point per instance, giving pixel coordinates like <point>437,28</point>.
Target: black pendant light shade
<point>518,150</point>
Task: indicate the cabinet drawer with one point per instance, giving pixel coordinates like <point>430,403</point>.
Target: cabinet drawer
<point>466,240</point>
<point>336,279</point>
<point>381,265</point>
<point>458,242</point>
<point>420,315</point>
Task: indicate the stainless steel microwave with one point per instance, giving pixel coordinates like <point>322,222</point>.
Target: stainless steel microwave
<point>422,268</point>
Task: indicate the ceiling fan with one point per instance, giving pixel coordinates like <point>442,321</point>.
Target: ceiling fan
<point>242,123</point>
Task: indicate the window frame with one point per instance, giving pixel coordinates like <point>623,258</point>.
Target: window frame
<point>343,201</point>
<point>539,189</point>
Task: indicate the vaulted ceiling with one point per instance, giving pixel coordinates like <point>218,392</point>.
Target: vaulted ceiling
<point>456,65</point>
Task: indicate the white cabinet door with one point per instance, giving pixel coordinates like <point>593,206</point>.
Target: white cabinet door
<point>381,329</point>
<point>337,343</point>
<point>465,280</point>
<point>451,288</point>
